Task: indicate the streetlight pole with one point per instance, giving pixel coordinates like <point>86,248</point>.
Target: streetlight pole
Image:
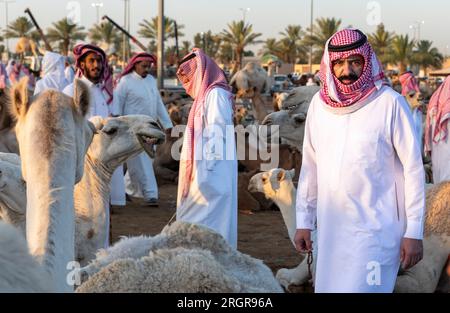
<point>97,6</point>
<point>6,16</point>
<point>244,12</point>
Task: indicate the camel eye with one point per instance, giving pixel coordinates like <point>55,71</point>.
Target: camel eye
<point>264,180</point>
<point>110,131</point>
<point>154,124</point>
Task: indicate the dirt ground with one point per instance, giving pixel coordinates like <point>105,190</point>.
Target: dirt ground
<point>261,235</point>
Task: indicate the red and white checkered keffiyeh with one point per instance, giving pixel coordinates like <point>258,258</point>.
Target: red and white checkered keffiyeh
<point>338,95</point>
<point>409,83</point>
<point>438,112</point>
<point>138,57</point>
<point>81,50</point>
<point>199,74</point>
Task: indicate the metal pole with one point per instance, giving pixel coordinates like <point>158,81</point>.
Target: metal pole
<point>311,34</point>
<point>160,59</point>
<point>7,21</point>
<point>177,50</point>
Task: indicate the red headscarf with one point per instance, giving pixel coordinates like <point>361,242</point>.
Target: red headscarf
<point>409,83</point>
<point>199,74</point>
<point>341,45</point>
<point>79,51</point>
<point>138,57</point>
<point>438,113</point>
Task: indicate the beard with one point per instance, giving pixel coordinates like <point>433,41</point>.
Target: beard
<point>93,75</point>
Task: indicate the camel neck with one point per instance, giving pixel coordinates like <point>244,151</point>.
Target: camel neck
<point>285,200</point>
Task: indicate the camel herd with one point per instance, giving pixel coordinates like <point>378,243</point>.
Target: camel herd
<point>56,192</point>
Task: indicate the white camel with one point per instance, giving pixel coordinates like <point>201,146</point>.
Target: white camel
<point>53,137</point>
<point>277,185</point>
<point>182,258</point>
<point>117,140</point>
<point>252,78</point>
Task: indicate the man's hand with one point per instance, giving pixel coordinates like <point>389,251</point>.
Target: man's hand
<point>411,252</point>
<point>302,240</point>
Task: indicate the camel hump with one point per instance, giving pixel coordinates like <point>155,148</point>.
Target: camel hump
<point>19,103</point>
<point>81,97</point>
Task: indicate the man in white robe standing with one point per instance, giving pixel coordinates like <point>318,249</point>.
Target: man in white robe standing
<point>52,74</point>
<point>437,142</point>
<point>362,179</point>
<point>136,93</point>
<point>93,70</point>
<point>207,185</point>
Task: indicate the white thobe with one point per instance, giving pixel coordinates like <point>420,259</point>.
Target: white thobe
<point>212,197</point>
<point>440,158</point>
<point>52,73</point>
<point>417,116</point>
<point>362,180</point>
<point>100,107</point>
<point>137,95</point>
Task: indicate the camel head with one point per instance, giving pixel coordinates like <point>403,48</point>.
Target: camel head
<point>175,113</point>
<point>270,182</point>
<point>119,138</point>
<point>43,124</point>
<point>292,116</point>
<point>414,99</point>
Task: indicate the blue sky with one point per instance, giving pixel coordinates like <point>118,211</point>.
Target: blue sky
<point>268,17</point>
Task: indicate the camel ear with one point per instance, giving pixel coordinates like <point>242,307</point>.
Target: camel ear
<point>98,122</point>
<point>281,174</point>
<point>81,97</point>
<point>19,98</point>
<point>291,173</point>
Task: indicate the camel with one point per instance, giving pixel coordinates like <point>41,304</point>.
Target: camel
<point>292,116</point>
<point>53,137</point>
<point>8,141</point>
<point>117,140</point>
<point>184,257</point>
<point>423,277</point>
<point>252,78</point>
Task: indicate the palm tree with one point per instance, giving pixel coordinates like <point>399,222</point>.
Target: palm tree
<point>381,41</point>
<point>105,33</point>
<point>149,29</point>
<point>20,27</point>
<point>427,56</point>
<point>402,49</point>
<point>271,46</point>
<point>290,44</point>
<point>208,42</point>
<point>65,34</point>
<point>323,29</point>
<point>239,35</point>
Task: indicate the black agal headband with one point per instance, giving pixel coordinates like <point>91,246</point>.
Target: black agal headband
<point>351,46</point>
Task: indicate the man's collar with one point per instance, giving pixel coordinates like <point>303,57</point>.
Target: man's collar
<point>136,75</point>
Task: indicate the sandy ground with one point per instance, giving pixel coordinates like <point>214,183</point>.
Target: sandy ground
<point>261,235</point>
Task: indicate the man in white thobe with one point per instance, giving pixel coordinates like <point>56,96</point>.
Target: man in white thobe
<point>52,73</point>
<point>92,69</point>
<point>437,142</point>
<point>207,188</point>
<point>362,178</point>
<point>137,93</point>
